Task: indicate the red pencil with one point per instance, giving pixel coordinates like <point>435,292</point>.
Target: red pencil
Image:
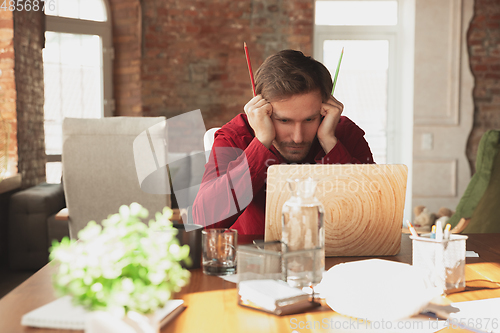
<point>249,68</point>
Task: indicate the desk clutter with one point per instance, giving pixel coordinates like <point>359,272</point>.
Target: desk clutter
<point>356,288</point>
<point>211,300</point>
<point>272,274</point>
<point>268,277</point>
<point>279,277</point>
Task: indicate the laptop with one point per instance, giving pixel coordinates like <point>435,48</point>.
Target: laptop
<point>364,205</point>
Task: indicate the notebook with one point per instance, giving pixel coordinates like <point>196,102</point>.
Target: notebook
<point>364,205</point>
<point>62,314</point>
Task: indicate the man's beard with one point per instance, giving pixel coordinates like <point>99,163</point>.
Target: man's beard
<point>289,154</point>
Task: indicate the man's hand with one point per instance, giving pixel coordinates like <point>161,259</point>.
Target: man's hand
<point>331,110</point>
<point>259,113</point>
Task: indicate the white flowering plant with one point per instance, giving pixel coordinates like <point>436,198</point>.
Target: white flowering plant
<point>123,265</point>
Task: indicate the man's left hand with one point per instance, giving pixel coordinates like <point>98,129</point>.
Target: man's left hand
<point>331,111</point>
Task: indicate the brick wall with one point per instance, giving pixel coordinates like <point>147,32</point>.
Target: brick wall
<point>192,53</point>
<point>174,56</point>
<point>8,121</point>
<point>484,52</point>
<point>189,55</point>
<point>28,42</point>
<point>126,20</point>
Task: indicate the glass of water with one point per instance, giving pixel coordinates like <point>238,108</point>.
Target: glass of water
<point>219,251</point>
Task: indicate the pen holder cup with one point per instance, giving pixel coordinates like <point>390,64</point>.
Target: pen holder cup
<point>441,262</point>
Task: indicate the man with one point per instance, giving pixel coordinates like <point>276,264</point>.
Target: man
<point>293,119</point>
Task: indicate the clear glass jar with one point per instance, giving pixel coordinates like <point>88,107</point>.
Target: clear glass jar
<point>303,235</point>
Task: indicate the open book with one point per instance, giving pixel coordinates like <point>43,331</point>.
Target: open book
<point>62,314</point>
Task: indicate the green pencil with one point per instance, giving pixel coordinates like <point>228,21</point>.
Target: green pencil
<point>337,71</point>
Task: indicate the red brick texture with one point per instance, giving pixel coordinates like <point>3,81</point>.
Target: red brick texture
<point>8,88</point>
<point>192,55</point>
<point>483,39</point>
<point>126,20</point>
<point>174,56</point>
<point>29,30</point>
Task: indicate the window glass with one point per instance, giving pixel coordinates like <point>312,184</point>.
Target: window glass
<point>93,10</point>
<point>76,71</point>
<point>362,86</point>
<point>73,82</point>
<point>53,171</point>
<point>356,12</point>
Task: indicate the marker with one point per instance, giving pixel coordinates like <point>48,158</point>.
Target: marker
<point>337,71</point>
<point>447,231</point>
<point>249,68</point>
<point>433,232</point>
<point>412,229</point>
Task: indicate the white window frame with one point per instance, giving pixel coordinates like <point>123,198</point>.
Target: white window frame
<point>401,39</point>
<point>87,27</point>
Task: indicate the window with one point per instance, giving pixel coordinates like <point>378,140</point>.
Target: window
<point>375,81</point>
<point>77,70</point>
<point>359,13</point>
<point>364,76</point>
<point>93,10</point>
<point>362,86</point>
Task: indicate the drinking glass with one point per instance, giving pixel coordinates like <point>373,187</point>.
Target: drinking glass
<point>219,251</point>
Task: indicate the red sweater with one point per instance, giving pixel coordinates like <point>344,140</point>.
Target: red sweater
<point>233,190</point>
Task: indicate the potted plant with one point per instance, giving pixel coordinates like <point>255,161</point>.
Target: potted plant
<point>124,266</point>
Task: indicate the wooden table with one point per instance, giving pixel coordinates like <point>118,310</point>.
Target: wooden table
<point>211,301</point>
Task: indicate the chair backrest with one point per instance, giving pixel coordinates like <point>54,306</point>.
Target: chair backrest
<point>99,171</point>
<point>208,139</point>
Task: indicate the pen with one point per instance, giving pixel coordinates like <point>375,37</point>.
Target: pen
<point>249,68</point>
<point>411,228</point>
<point>447,231</point>
<point>433,232</point>
<point>337,71</point>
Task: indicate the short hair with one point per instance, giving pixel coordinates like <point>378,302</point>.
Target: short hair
<point>289,73</point>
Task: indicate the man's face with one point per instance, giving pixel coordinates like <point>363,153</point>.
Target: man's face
<point>296,121</point>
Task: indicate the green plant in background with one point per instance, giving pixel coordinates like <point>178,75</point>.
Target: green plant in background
<point>123,266</point>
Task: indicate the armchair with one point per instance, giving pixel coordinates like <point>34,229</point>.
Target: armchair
<point>99,171</point>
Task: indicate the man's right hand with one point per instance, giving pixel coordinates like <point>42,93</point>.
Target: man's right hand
<point>259,113</point>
